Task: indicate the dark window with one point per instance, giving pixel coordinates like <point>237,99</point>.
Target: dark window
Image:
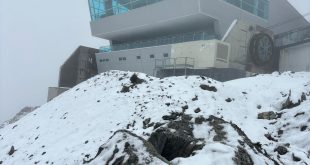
<point>165,54</point>
<point>101,60</point>
<point>107,59</point>
<point>120,58</point>
<point>124,58</point>
<point>152,56</point>
<point>138,57</point>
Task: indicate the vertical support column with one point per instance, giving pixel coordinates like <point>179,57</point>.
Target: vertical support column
<point>256,7</point>
<point>108,7</point>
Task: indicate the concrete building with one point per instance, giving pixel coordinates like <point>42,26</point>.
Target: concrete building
<point>80,66</point>
<point>158,36</point>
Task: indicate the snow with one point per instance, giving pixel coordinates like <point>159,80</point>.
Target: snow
<point>82,119</point>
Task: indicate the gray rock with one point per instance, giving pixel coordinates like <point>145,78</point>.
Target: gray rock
<point>267,115</point>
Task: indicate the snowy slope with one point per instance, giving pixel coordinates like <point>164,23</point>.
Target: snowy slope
<point>74,127</point>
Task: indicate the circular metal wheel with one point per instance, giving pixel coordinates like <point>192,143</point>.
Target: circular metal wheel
<point>261,49</point>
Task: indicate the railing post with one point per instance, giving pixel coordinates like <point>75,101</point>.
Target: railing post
<point>185,66</point>
<point>174,63</point>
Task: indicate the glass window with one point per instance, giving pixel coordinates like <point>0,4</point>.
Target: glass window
<point>152,56</point>
<point>103,8</point>
<point>257,7</point>
<point>120,58</point>
<point>166,54</point>
<point>138,57</point>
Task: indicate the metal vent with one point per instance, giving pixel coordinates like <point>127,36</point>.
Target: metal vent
<point>222,52</point>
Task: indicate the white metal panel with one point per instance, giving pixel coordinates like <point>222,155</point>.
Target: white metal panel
<point>295,58</point>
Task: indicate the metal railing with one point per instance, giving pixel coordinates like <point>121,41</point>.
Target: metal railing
<point>174,63</point>
<point>292,37</point>
<point>165,40</point>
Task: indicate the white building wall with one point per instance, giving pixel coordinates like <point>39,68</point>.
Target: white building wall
<point>203,52</point>
<point>295,58</point>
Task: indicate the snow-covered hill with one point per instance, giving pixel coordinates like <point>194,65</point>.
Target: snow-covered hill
<point>119,118</point>
<point>19,115</point>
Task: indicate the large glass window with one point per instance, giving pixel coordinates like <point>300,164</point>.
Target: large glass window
<point>163,40</point>
<point>257,7</point>
<point>103,8</point>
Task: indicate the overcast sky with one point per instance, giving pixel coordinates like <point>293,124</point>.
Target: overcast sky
<point>36,37</point>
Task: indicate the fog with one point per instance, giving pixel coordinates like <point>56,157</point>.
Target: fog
<point>36,37</point>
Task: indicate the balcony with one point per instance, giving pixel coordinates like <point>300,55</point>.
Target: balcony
<point>164,40</point>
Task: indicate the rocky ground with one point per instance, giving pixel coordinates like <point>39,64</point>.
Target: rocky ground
<point>127,118</point>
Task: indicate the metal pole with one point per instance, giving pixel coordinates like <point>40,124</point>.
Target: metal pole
<point>185,65</point>
<point>174,66</point>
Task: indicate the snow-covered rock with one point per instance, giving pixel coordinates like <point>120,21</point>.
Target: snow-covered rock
<point>176,120</point>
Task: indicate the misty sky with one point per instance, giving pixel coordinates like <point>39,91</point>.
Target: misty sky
<point>36,37</point>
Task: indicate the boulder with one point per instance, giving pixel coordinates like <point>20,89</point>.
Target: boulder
<point>270,115</point>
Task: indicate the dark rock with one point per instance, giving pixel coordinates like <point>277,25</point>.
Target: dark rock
<point>242,157</point>
<point>281,150</point>
<point>288,104</point>
<point>146,121</point>
<point>172,116</point>
<point>195,98</point>
<point>125,89</point>
<point>259,107</point>
<point>218,129</point>
<point>197,110</point>
<point>43,153</point>
<point>125,153</point>
<point>185,107</point>
<point>208,88</point>
<point>303,128</point>
<point>168,104</point>
<point>199,120</point>
<point>186,117</point>
<point>269,137</point>
<point>267,115</point>
<point>134,79</point>
<point>299,113</point>
<point>179,143</point>
<point>157,125</point>
<point>228,100</point>
<point>280,132</point>
<point>172,144</point>
<point>295,158</point>
<point>147,124</point>
<point>1,162</point>
<point>12,150</point>
<point>86,142</point>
